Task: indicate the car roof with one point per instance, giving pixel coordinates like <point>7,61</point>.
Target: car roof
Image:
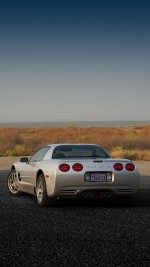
<point>71,144</point>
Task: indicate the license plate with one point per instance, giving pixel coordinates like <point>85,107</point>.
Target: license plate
<point>98,177</point>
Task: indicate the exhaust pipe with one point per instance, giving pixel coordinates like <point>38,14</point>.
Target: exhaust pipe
<point>88,194</point>
<point>105,194</point>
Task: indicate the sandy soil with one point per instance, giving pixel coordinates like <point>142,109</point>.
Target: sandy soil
<point>6,162</point>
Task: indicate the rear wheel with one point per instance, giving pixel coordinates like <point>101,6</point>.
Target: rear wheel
<point>41,192</point>
<point>12,182</point>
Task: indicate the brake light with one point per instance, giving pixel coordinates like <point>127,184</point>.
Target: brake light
<point>118,166</point>
<point>77,167</point>
<point>64,167</point>
<point>130,167</point>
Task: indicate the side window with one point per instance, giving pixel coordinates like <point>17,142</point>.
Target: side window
<point>39,155</point>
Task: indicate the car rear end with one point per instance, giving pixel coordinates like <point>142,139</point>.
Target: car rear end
<point>95,178</point>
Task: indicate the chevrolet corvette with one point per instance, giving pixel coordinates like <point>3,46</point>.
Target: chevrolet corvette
<point>59,171</point>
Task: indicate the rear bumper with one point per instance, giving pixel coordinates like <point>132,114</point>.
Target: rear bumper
<point>74,186</point>
<point>102,192</point>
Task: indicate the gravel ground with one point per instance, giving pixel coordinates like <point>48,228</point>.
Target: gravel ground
<point>76,233</point>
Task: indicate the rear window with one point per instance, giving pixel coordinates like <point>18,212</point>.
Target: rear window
<point>79,151</point>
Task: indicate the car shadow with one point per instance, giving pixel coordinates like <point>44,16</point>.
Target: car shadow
<point>140,199</point>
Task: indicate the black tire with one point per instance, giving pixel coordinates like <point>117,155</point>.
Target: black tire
<point>12,183</point>
<point>41,192</point>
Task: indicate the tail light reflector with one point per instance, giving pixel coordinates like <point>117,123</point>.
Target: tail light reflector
<point>130,167</point>
<point>118,166</point>
<point>77,167</point>
<point>64,167</point>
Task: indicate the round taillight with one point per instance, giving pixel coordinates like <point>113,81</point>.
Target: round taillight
<point>64,167</point>
<point>118,166</point>
<point>77,167</point>
<point>130,167</point>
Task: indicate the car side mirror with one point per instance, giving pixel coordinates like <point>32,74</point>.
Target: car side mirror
<point>24,159</point>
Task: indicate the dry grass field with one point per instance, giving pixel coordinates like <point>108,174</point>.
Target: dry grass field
<point>131,142</point>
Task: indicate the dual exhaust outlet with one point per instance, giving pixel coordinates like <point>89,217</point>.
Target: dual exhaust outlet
<point>103,194</point>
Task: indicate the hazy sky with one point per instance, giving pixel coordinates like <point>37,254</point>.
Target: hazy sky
<point>74,60</point>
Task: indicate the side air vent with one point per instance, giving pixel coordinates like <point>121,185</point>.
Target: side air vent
<point>124,190</point>
<point>68,192</point>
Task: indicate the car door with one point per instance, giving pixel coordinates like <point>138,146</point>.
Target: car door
<point>30,169</point>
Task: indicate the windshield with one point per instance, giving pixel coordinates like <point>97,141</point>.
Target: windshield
<point>76,151</point>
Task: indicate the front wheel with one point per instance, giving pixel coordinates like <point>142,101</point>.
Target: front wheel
<point>12,183</point>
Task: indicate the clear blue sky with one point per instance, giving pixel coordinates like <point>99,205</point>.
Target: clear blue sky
<point>74,60</point>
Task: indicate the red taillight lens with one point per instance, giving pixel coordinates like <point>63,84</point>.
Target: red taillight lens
<point>118,166</point>
<point>77,167</point>
<point>64,167</point>
<point>130,167</point>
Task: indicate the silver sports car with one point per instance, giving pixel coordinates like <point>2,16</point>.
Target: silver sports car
<point>73,171</point>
